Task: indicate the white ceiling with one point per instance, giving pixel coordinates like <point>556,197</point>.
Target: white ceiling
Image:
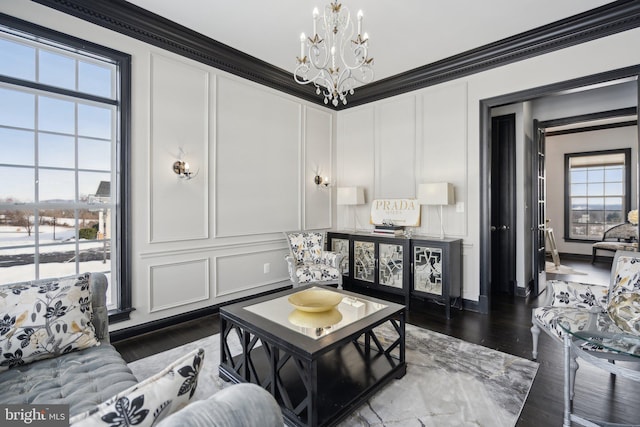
<point>403,34</point>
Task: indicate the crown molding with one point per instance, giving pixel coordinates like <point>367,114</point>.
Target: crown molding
<point>133,21</point>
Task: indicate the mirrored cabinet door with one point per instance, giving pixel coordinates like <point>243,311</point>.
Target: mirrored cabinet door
<point>341,246</point>
<point>427,269</point>
<point>390,265</point>
<point>364,261</point>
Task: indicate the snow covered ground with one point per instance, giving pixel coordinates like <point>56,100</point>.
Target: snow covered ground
<point>16,244</point>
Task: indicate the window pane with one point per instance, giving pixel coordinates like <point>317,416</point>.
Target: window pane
<point>56,115</point>
<point>94,154</point>
<point>22,188</point>
<point>17,60</point>
<point>89,183</point>
<point>17,108</point>
<point>578,189</point>
<point>16,264</point>
<point>578,203</point>
<point>595,189</point>
<point>614,217</point>
<point>57,70</point>
<point>56,150</point>
<point>94,121</point>
<point>595,174</point>
<point>57,260</point>
<point>614,174</point>
<point>596,216</point>
<point>95,79</point>
<point>578,176</point>
<point>579,231</point>
<point>56,186</point>
<point>595,230</point>
<point>613,188</point>
<point>17,147</point>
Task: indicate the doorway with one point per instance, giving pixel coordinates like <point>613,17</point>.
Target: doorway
<point>486,173</point>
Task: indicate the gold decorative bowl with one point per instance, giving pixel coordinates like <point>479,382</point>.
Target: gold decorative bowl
<point>315,300</point>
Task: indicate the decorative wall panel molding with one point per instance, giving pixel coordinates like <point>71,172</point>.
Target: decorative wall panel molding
<point>444,123</point>
<point>318,160</point>
<point>395,148</point>
<point>176,284</point>
<point>179,130</point>
<point>236,273</point>
<point>126,18</point>
<point>257,152</point>
<point>219,246</point>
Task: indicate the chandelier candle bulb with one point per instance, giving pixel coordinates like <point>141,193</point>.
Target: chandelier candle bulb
<point>315,20</point>
<point>302,37</point>
<point>360,14</point>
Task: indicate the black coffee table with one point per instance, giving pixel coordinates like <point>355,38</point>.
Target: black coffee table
<point>318,367</point>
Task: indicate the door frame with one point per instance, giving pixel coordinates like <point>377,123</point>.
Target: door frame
<point>633,72</point>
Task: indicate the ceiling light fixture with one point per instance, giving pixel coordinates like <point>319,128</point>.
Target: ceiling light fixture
<point>335,54</point>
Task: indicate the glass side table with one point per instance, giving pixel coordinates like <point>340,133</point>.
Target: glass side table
<point>594,338</point>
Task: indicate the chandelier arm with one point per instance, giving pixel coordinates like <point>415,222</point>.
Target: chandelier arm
<point>312,57</point>
<point>360,54</point>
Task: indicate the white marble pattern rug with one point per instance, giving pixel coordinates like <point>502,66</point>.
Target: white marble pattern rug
<point>449,382</point>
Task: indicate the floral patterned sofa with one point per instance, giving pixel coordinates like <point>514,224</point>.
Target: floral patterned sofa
<point>55,349</point>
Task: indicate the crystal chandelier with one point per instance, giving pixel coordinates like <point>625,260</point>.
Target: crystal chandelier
<point>335,55</point>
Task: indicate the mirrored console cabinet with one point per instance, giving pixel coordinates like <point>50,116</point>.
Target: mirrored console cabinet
<point>419,267</point>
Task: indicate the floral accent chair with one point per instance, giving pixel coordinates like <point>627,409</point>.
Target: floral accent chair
<point>308,262</point>
<point>575,302</point>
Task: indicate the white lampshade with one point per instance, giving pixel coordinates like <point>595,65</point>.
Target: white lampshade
<point>436,193</point>
<point>350,196</point>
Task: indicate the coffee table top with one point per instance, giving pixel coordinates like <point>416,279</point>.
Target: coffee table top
<point>598,329</point>
<point>270,315</point>
<point>316,325</point>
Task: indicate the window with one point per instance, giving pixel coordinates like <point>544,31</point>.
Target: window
<point>597,194</point>
<point>63,144</point>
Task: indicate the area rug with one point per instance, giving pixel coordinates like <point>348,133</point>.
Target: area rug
<point>449,382</point>
<point>560,269</point>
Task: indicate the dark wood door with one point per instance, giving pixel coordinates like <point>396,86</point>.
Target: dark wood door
<point>503,204</point>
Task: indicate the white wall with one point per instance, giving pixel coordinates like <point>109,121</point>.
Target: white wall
<point>446,120</point>
<point>201,242</point>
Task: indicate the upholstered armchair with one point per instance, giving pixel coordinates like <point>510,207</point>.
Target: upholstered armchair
<point>577,302</point>
<point>308,262</point>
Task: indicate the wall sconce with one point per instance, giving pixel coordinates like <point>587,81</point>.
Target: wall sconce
<point>319,180</point>
<point>181,168</point>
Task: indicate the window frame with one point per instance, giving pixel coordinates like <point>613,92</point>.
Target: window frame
<point>567,187</point>
<point>123,81</point>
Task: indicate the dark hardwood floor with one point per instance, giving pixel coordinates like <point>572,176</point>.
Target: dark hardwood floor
<point>506,328</point>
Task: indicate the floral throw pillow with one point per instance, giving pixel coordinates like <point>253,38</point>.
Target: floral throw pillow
<point>149,401</point>
<point>44,319</point>
<point>580,295</point>
<point>624,301</point>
